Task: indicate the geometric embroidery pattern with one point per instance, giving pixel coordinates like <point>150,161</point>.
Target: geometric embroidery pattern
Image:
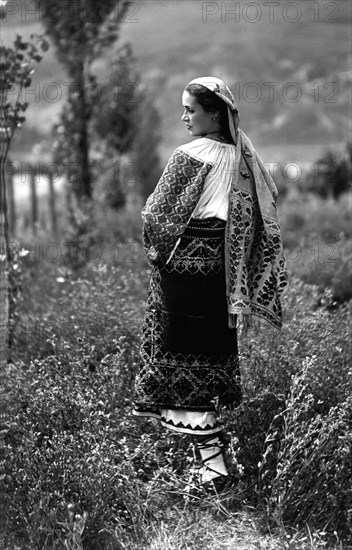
<point>179,369</point>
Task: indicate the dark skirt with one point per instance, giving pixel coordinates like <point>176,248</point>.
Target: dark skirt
<point>189,356</point>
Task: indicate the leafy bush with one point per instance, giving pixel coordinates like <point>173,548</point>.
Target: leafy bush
<point>332,176</point>
<point>69,447</point>
<point>328,178</point>
<point>120,236</point>
<point>59,306</point>
<point>310,330</point>
<point>341,283</point>
<point>306,218</point>
<point>80,472</point>
<point>271,432</point>
<point>317,235</point>
<point>312,483</point>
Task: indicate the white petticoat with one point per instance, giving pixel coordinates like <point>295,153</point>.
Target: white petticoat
<point>189,422</point>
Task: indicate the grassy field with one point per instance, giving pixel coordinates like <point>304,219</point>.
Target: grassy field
<point>80,473</point>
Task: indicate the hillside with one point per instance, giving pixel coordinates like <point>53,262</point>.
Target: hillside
<point>288,67</point>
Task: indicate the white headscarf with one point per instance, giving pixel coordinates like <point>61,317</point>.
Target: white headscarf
<point>223,91</point>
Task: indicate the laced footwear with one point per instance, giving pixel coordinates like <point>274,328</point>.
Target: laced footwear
<point>217,485</point>
<point>213,464</point>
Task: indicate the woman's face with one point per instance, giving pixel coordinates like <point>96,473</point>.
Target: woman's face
<point>197,121</point>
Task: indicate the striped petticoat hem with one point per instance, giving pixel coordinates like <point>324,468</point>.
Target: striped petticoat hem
<point>188,422</point>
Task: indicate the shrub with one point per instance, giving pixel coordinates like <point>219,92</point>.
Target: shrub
<point>69,448</point>
<point>332,174</point>
<point>308,219</point>
<point>72,448</point>
<point>309,330</point>
<point>59,306</point>
<point>312,482</point>
<point>341,283</point>
<point>317,236</point>
<point>315,338</point>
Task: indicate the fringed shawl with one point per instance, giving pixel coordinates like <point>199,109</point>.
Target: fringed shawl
<point>254,262</point>
<point>256,273</point>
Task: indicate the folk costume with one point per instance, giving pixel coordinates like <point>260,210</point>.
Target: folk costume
<point>212,236</point>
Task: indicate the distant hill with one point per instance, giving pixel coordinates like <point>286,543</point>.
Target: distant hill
<point>289,68</point>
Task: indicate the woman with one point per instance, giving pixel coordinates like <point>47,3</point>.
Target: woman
<point>211,233</point>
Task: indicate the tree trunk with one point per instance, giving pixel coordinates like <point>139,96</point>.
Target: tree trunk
<point>5,259</point>
<point>52,209</point>
<point>34,202</point>
<point>11,198</point>
<point>81,113</point>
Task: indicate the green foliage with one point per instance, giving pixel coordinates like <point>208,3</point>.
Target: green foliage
<point>15,70</point>
<point>16,66</point>
<point>268,364</point>
<point>80,231</point>
<point>80,34</point>
<point>71,145</point>
<point>341,283</point>
<point>100,120</point>
<point>121,234</point>
<point>307,218</point>
<point>301,123</point>
<point>99,304</point>
<point>332,175</point>
<point>314,465</point>
<point>81,473</point>
<point>329,177</point>
<point>117,106</point>
<point>145,153</point>
<point>81,31</point>
<point>70,444</point>
<point>297,392</point>
<point>317,235</point>
<point>126,133</point>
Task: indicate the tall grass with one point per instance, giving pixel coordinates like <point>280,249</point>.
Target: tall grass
<point>80,473</point>
<point>317,236</point>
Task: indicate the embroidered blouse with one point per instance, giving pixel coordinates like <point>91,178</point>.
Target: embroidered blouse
<point>214,198</point>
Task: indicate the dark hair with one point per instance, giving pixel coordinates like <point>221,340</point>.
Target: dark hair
<point>211,103</point>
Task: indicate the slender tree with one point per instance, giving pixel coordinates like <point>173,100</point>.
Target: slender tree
<point>115,111</point>
<point>16,66</point>
<point>126,131</point>
<point>81,30</point>
<point>116,123</point>
<point>15,70</point>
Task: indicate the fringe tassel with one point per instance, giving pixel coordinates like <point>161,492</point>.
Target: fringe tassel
<point>232,320</point>
<point>246,322</point>
<point>242,321</point>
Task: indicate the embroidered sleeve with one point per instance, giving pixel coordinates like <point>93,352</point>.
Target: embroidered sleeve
<point>170,207</point>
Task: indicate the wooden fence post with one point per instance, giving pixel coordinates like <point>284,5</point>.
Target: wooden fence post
<point>32,213</point>
<point>52,210</point>
<point>34,203</point>
<point>11,199</point>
